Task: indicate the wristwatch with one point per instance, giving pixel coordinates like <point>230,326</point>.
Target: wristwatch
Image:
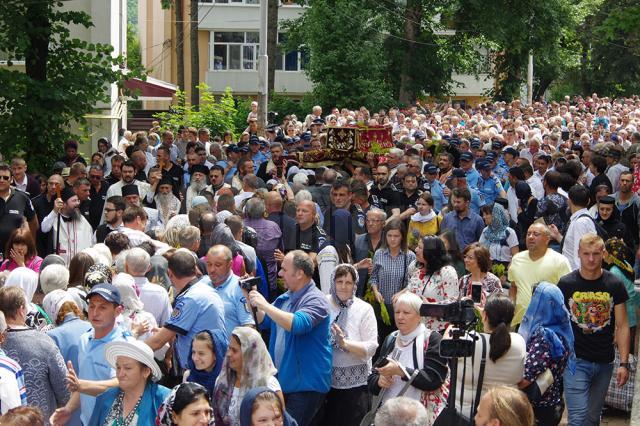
<point>626,365</point>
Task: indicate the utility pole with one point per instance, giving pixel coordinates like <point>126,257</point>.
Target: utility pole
<point>263,68</point>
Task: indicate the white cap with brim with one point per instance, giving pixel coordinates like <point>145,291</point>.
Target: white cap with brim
<point>134,349</point>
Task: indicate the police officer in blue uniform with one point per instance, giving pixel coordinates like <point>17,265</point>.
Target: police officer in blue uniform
<point>459,178</point>
<point>433,185</point>
<point>489,185</point>
<point>466,164</point>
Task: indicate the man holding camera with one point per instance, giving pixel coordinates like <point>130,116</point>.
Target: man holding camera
<point>299,321</point>
<point>227,285</point>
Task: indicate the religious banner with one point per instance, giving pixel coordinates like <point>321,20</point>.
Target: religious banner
<point>375,139</point>
<point>342,138</point>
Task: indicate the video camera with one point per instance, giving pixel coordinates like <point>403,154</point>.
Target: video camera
<point>249,284</point>
<point>461,314</point>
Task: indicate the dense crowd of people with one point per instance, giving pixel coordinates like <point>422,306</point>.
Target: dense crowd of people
<point>180,278</point>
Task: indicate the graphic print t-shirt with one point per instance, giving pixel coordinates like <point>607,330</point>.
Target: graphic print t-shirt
<point>591,308</point>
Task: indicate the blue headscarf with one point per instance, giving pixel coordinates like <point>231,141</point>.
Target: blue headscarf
<point>496,232</point>
<point>208,380</point>
<point>246,407</point>
<point>548,312</point>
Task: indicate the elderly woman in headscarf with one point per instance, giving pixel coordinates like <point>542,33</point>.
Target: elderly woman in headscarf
<point>27,280</point>
<point>608,217</point>
<point>498,237</point>
<point>157,273</point>
<point>617,260</point>
<point>354,336</point>
<point>246,366</point>
<point>546,328</point>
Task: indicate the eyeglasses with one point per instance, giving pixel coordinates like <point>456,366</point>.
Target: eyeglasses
<point>5,177</point>
<point>95,177</point>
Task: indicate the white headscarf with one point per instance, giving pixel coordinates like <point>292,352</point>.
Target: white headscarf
<point>24,278</point>
<point>128,295</point>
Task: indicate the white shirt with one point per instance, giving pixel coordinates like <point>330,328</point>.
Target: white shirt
<point>578,226</point>
<point>513,203</point>
<point>536,187</point>
<point>22,186</point>
<point>507,370</point>
<point>613,173</point>
<point>155,299</point>
<point>362,328</point>
<point>241,197</point>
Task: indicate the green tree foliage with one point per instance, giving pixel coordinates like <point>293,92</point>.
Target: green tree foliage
<point>346,63</point>
<point>65,77</point>
<point>422,55</point>
<point>611,49</point>
<point>216,115</point>
<point>515,29</point>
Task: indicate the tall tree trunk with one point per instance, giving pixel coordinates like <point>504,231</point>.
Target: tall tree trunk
<point>412,18</point>
<point>179,5</point>
<point>272,43</point>
<point>195,56</point>
<point>37,54</point>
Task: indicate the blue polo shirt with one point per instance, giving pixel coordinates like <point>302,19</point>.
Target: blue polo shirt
<point>94,366</point>
<point>437,193</point>
<point>468,228</point>
<point>490,188</point>
<point>235,304</point>
<point>258,159</point>
<point>197,308</point>
<point>472,177</point>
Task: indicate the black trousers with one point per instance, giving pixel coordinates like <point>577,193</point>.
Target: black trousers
<point>346,407</point>
<point>548,416</point>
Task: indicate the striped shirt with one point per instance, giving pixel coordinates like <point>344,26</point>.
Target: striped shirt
<point>13,392</point>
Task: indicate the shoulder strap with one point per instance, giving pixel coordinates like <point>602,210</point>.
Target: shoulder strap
<point>483,361</point>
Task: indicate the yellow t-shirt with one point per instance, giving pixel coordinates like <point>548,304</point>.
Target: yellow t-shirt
<point>526,273</point>
<point>418,230</point>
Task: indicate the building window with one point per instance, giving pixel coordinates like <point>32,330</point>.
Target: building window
<point>235,50</point>
<point>289,61</point>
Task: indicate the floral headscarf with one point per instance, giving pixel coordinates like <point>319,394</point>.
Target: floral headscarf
<point>620,254</point>
<point>496,232</point>
<point>343,316</point>
<point>97,273</point>
<point>257,369</point>
<point>164,413</point>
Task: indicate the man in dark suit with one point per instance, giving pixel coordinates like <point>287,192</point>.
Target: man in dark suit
<point>23,181</point>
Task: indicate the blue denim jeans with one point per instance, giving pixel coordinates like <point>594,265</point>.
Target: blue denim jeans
<point>303,406</point>
<point>585,391</point>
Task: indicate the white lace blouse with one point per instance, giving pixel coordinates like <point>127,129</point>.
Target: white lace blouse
<point>350,371</point>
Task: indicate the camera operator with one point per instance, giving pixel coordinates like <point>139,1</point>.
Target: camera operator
<point>415,347</point>
<point>506,353</point>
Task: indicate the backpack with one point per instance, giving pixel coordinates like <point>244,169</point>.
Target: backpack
<point>602,233</point>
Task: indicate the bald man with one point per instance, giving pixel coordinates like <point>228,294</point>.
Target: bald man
<point>226,284</point>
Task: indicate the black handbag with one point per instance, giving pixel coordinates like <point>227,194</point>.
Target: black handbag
<point>450,416</point>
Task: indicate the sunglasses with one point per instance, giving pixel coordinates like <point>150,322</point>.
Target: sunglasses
<point>5,178</point>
